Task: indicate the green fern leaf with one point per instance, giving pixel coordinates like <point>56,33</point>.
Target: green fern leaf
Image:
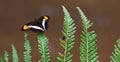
<point>88,49</point>
<point>116,54</point>
<point>27,56</point>
<point>6,56</point>
<point>1,59</point>
<point>67,42</point>
<point>14,54</point>
<point>43,47</point>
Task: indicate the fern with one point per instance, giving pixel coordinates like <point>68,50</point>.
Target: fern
<point>43,47</point>
<point>116,54</point>
<point>67,42</point>
<point>27,56</point>
<point>6,56</point>
<point>14,54</point>
<point>1,59</point>
<point>88,49</point>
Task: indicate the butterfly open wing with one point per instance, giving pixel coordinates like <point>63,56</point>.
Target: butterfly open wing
<point>39,25</point>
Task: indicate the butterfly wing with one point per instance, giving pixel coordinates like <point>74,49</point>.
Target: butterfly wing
<point>39,25</point>
<point>33,26</point>
<point>44,21</point>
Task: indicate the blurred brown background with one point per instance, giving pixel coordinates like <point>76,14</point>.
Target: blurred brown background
<point>14,13</point>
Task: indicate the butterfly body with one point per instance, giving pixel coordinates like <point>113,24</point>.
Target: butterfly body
<point>39,25</point>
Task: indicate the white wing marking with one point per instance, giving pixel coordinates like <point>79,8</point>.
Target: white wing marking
<point>35,27</point>
<point>43,24</point>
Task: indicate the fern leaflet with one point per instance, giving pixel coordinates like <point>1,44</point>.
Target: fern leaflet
<point>14,54</point>
<point>43,47</point>
<point>116,54</point>
<point>67,42</point>
<point>27,56</point>
<point>1,59</point>
<point>88,49</point>
<point>6,56</point>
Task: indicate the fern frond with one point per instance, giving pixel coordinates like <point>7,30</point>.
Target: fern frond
<point>43,47</point>
<point>116,54</point>
<point>27,56</point>
<point>14,54</point>
<point>88,49</point>
<point>6,56</point>
<point>67,42</point>
<point>1,59</point>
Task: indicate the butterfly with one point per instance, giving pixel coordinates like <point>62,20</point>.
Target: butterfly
<point>39,25</point>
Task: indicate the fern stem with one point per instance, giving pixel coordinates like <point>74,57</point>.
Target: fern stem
<point>43,51</point>
<point>87,47</point>
<point>65,52</point>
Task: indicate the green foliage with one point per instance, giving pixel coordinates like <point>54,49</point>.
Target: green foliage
<point>14,54</point>
<point>43,47</point>
<point>67,42</point>
<point>27,56</point>
<point>88,49</point>
<point>6,56</point>
<point>116,54</point>
<point>1,59</point>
